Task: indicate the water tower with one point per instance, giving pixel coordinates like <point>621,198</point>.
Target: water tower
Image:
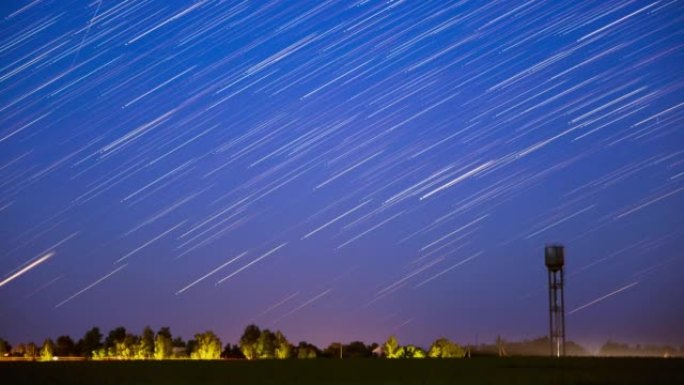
<point>555,259</point>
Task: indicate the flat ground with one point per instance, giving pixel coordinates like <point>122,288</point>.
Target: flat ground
<point>361,371</point>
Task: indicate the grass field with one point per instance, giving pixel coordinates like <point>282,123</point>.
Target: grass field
<point>362,371</point>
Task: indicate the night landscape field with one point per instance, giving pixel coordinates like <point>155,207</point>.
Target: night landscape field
<point>341,191</point>
<point>530,370</point>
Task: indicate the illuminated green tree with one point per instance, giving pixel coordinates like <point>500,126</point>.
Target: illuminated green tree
<point>443,348</point>
<point>411,351</point>
<point>126,349</point>
<point>208,347</point>
<point>392,348</point>
<point>163,344</point>
<point>99,353</point>
<point>266,345</point>
<point>47,351</point>
<point>145,348</point>
<point>248,341</point>
<point>283,348</point>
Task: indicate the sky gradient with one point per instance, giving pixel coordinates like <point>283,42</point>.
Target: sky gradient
<point>341,170</point>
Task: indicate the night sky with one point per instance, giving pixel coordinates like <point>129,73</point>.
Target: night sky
<point>341,170</point>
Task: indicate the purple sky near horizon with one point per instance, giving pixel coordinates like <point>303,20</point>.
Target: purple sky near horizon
<point>341,170</point>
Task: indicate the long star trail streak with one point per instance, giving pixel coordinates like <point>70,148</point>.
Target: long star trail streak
<point>26,268</point>
<point>91,285</point>
<point>305,304</point>
<point>369,230</point>
<point>200,279</point>
<point>394,138</point>
<point>250,264</point>
<point>335,219</point>
<point>448,269</point>
<point>279,303</point>
<point>151,241</point>
<point>603,297</point>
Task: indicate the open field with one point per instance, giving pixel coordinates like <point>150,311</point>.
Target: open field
<point>362,371</point>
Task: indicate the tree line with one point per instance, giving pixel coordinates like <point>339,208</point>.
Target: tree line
<point>256,343</point>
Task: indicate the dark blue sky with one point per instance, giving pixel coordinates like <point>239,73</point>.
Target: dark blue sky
<point>341,170</point>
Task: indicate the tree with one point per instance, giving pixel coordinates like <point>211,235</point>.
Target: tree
<point>115,336</point>
<point>146,344</point>
<point>5,348</point>
<point>392,348</point>
<point>208,346</point>
<point>47,351</point>
<point>283,348</point>
<point>91,341</point>
<point>19,350</point>
<point>248,341</point>
<point>357,349</point>
<point>306,350</point>
<point>180,348</point>
<point>334,350</point>
<point>163,344</point>
<point>32,351</point>
<point>126,349</point>
<point>266,345</point>
<point>443,348</point>
<point>411,351</point>
<point>65,346</point>
<point>232,352</point>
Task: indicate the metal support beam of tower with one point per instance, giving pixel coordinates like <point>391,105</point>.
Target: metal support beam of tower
<point>555,259</point>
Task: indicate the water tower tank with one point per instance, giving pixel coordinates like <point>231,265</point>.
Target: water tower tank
<point>554,258</point>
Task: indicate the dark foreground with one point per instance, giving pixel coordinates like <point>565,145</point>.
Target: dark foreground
<point>368,371</point>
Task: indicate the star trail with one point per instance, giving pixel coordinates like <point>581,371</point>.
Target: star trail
<point>343,169</point>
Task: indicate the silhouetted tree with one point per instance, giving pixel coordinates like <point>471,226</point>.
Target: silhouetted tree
<point>232,352</point>
<point>32,351</point>
<point>249,340</point>
<point>306,350</point>
<point>18,350</point>
<point>357,349</point>
<point>181,347</point>
<point>190,347</point>
<point>65,346</point>
<point>334,350</point>
<point>91,342</point>
<point>5,348</point>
